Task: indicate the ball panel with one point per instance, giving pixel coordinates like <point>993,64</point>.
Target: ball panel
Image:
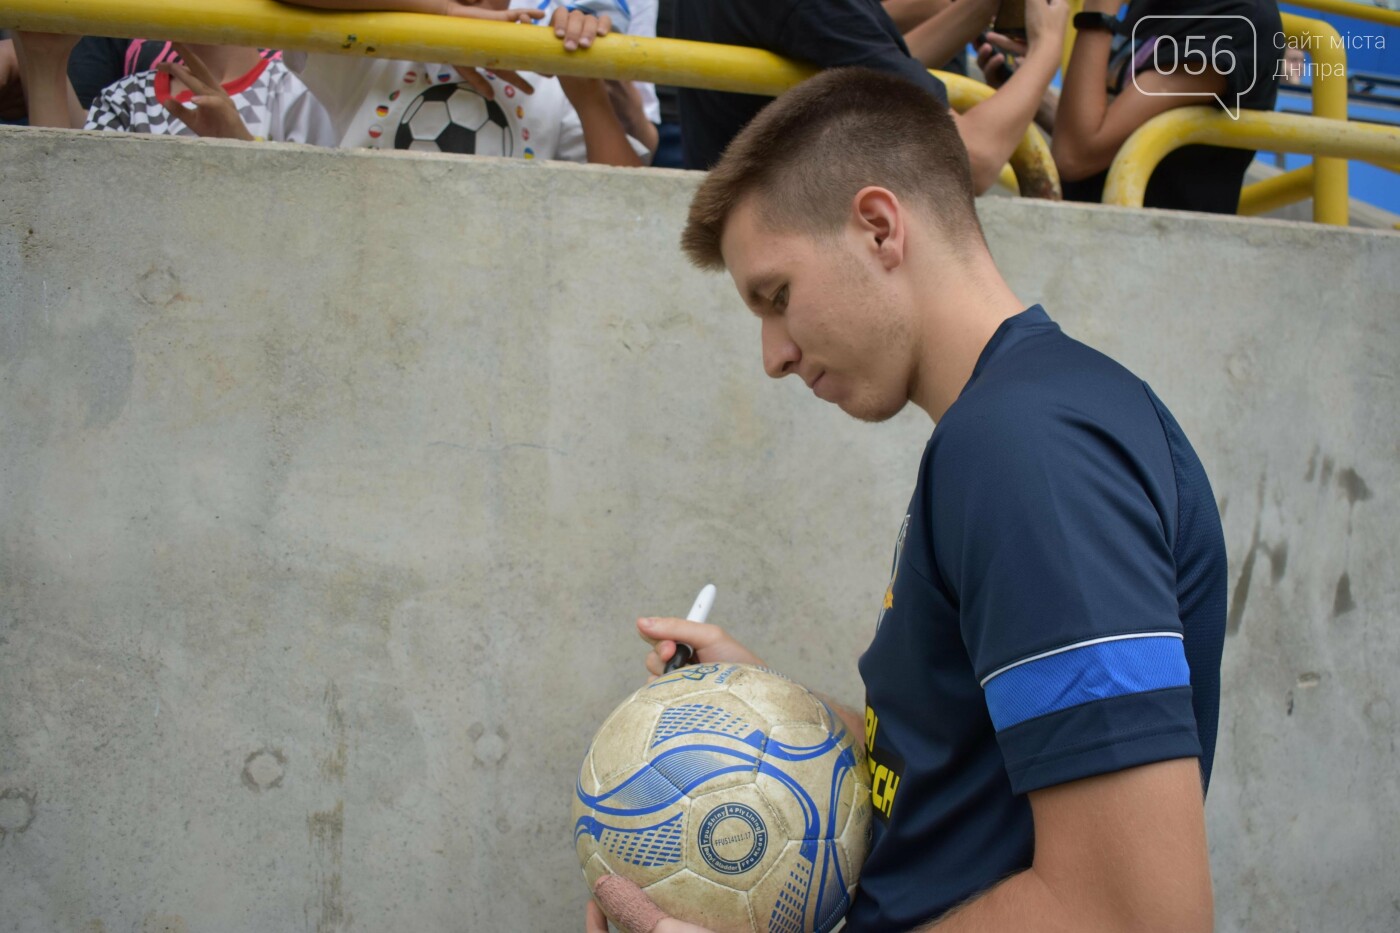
<point>779,900</point>
<point>776,699</point>
<point>694,899</point>
<point>457,139</point>
<point>730,837</point>
<point>621,743</point>
<point>855,835</point>
<point>692,680</point>
<point>492,141</point>
<point>430,120</point>
<point>467,108</point>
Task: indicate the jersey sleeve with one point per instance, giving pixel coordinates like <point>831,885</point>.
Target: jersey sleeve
<point>842,35</point>
<point>1050,532</point>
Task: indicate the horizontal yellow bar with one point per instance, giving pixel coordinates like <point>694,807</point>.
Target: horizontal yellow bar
<point>1273,132</point>
<point>1279,191</point>
<point>480,43</point>
<point>1366,11</point>
<point>413,36</point>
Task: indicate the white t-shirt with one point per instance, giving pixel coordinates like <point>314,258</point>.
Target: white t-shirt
<point>273,103</point>
<point>378,103</point>
<point>383,104</point>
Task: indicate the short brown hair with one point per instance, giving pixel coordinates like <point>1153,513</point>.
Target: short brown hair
<point>807,153</point>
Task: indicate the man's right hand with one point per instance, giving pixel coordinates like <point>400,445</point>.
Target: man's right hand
<point>711,643</point>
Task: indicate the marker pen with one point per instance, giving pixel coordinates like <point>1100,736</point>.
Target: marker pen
<point>699,612</point>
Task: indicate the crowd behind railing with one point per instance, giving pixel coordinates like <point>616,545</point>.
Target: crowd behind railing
<point>1128,62</point>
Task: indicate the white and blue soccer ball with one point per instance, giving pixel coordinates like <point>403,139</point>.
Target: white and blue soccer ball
<point>733,796</point>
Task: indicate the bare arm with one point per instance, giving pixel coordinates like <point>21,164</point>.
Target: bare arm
<point>939,38</point>
<point>605,141</point>
<point>440,7</point>
<point>43,65</point>
<point>627,104</point>
<point>909,13</point>
<point>1117,852</point>
<point>993,128</point>
<point>1088,128</point>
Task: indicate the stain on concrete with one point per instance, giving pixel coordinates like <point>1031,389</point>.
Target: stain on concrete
<point>17,810</point>
<point>1353,486</point>
<point>1241,595</point>
<point>489,748</point>
<point>1308,679</point>
<point>158,287</point>
<point>1379,712</point>
<point>327,832</point>
<point>164,923</point>
<point>1312,465</point>
<point>333,764</point>
<point>1278,561</point>
<point>264,769</point>
<point>1342,602</point>
<point>1326,477</point>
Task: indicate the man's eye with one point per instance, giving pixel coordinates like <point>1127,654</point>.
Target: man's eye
<point>780,299</point>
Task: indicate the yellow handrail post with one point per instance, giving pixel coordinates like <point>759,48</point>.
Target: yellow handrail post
<point>462,41</point>
<point>1320,40</point>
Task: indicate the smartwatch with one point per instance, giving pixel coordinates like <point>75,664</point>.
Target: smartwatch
<point>1088,21</point>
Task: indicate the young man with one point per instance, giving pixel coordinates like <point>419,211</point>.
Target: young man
<point>1044,672</point>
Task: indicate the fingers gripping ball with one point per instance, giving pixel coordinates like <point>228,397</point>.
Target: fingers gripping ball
<point>733,796</point>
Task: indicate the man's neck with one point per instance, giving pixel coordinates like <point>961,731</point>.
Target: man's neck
<point>963,314</point>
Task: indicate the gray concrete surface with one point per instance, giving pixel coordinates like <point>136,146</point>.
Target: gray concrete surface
<point>331,482</point>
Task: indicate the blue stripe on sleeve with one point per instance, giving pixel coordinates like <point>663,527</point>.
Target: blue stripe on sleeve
<point>1090,672</point>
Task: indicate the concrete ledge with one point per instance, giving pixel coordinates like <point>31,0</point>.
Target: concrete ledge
<point>330,483</point>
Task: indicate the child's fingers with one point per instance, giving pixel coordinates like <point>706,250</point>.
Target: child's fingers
<point>178,110</point>
<point>193,82</point>
<point>604,24</point>
<point>574,29</point>
<point>193,65</point>
<point>511,77</point>
<point>590,31</point>
<point>478,81</point>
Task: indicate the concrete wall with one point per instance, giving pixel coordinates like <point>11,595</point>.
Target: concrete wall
<point>330,484</point>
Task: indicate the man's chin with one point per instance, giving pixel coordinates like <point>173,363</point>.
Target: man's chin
<point>871,412</point>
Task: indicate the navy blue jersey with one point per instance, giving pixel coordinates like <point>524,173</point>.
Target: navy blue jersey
<point>1056,610</point>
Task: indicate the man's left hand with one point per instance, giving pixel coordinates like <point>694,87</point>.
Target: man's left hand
<point>630,909</point>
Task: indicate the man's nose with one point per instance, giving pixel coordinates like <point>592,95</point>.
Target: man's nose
<point>780,354</point>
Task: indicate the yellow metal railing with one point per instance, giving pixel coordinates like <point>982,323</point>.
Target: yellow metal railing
<point>1364,11</point>
<point>1325,179</point>
<point>1284,132</point>
<point>474,42</point>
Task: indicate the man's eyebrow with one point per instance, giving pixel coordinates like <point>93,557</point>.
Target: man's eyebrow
<point>759,287</point>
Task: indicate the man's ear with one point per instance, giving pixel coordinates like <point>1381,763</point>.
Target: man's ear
<point>879,219</point>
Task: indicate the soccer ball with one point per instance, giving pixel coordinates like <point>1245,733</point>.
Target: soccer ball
<point>733,796</point>
<point>455,118</point>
